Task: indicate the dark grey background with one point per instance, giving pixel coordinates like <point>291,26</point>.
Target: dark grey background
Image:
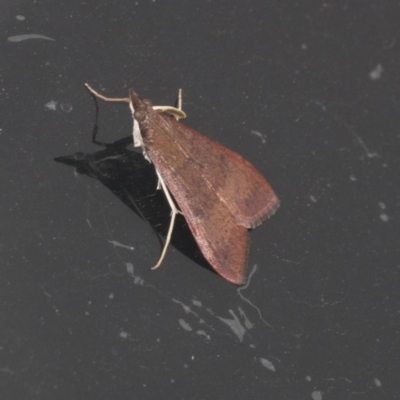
<point>307,91</point>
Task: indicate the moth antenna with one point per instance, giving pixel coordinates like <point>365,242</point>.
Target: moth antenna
<point>113,99</point>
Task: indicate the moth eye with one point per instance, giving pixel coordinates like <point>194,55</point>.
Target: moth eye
<point>147,103</point>
<point>140,115</point>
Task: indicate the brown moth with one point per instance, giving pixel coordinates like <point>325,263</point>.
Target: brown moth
<point>220,194</point>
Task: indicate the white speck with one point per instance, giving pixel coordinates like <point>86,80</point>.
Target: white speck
<point>172,381</point>
<point>203,333</point>
<point>260,135</point>
<point>384,217</point>
<point>197,303</point>
<point>131,271</point>
<point>308,378</point>
<point>382,205</point>
<point>316,395</point>
<point>353,178</point>
<point>51,105</point>
<point>267,364</point>
<point>138,281</point>
<point>20,38</point>
<point>20,18</point>
<point>111,296</point>
<point>313,199</point>
<point>304,46</point>
<point>377,72</point>
<point>185,325</point>
<point>123,335</point>
<point>377,382</point>
<point>323,106</point>
<point>370,154</point>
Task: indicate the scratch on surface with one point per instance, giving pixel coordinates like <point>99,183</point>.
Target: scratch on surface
<point>239,290</point>
<point>286,260</point>
<point>188,310</point>
<point>20,38</point>
<point>359,140</point>
<point>260,135</point>
<point>368,152</point>
<point>115,243</point>
<point>323,303</point>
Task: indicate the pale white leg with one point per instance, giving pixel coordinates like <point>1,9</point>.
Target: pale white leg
<point>176,112</point>
<point>180,99</point>
<point>174,211</point>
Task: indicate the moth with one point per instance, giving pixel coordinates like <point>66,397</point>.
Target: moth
<point>221,195</point>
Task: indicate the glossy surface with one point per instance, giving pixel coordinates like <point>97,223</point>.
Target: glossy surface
<point>309,92</point>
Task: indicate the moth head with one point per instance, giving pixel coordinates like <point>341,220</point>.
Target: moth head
<point>135,99</point>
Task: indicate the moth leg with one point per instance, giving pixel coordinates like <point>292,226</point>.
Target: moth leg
<point>179,102</point>
<point>176,111</point>
<point>100,96</point>
<point>174,211</point>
